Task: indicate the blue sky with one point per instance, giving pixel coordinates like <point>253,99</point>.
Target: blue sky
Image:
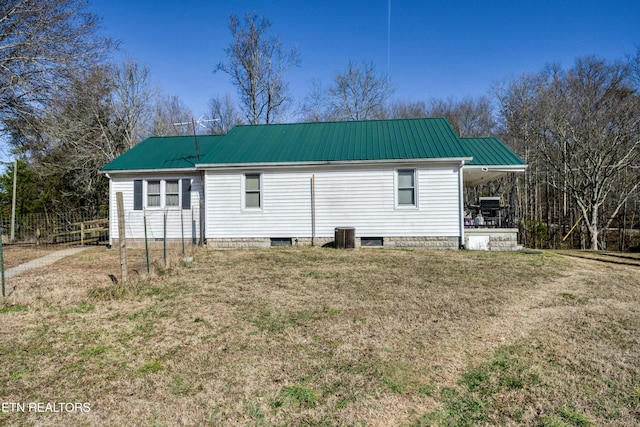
<point>438,49</point>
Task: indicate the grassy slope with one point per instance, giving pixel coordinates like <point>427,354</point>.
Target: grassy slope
<point>325,337</point>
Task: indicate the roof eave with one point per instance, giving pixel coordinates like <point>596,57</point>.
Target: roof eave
<point>474,175</point>
<point>328,163</point>
<point>139,171</point>
<point>497,168</point>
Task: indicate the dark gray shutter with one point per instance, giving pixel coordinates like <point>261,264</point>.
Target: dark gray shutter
<point>137,195</point>
<point>186,193</point>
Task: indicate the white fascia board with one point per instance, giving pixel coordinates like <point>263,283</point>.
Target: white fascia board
<point>289,165</point>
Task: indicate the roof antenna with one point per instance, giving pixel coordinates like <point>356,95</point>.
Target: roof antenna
<point>193,122</point>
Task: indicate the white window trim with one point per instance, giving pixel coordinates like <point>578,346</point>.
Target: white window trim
<point>163,193</point>
<point>416,192</point>
<point>243,193</point>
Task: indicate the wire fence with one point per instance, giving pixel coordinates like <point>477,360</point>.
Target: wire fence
<point>156,239</point>
<point>35,240</point>
<point>75,228</point>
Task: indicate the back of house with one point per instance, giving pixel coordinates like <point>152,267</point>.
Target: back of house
<point>397,183</point>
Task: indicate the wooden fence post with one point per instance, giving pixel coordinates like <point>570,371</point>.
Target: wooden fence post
<point>122,236</point>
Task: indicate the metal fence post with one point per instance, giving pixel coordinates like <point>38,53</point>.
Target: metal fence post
<point>146,241</point>
<point>182,229</point>
<point>164,239</point>
<point>2,266</point>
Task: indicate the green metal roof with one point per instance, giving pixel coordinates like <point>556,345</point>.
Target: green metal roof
<point>403,139</point>
<point>163,152</point>
<point>491,152</point>
<point>371,140</point>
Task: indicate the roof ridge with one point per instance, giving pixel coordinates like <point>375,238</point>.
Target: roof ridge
<point>343,121</point>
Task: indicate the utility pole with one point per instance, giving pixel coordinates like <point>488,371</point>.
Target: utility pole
<point>13,201</point>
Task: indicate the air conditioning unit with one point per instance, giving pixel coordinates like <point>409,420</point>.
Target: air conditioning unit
<point>345,237</point>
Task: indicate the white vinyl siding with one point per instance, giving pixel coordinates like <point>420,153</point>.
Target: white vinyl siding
<point>364,198</point>
<point>286,209</point>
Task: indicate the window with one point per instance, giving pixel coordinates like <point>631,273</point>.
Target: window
<point>172,193</point>
<point>281,241</point>
<point>371,241</point>
<point>252,191</point>
<point>153,194</point>
<point>160,193</point>
<point>406,187</point>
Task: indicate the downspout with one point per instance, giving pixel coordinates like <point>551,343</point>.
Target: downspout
<point>461,204</point>
<point>203,207</point>
<point>110,206</point>
<point>313,210</point>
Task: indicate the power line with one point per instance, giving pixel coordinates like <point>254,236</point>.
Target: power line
<point>389,41</point>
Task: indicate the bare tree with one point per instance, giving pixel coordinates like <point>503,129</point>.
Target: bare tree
<point>170,110</point>
<point>103,112</point>
<point>469,117</point>
<point>314,106</point>
<point>131,96</point>
<point>407,109</point>
<point>517,125</point>
<point>359,93</point>
<point>256,64</point>
<point>42,45</point>
<point>584,126</point>
<point>224,113</point>
<point>78,136</point>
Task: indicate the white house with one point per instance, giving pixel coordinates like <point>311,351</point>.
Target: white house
<point>394,182</point>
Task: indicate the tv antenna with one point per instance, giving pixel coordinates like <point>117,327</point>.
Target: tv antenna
<point>200,122</point>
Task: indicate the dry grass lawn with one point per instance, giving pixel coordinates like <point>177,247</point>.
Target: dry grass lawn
<point>325,337</point>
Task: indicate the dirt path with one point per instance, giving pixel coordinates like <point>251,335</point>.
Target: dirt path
<point>43,261</point>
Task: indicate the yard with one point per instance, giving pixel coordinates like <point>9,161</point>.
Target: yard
<point>324,337</point>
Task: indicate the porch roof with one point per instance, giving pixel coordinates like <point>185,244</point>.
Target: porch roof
<point>492,159</point>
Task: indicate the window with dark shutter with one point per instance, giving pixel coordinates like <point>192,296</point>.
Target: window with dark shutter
<point>137,195</point>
